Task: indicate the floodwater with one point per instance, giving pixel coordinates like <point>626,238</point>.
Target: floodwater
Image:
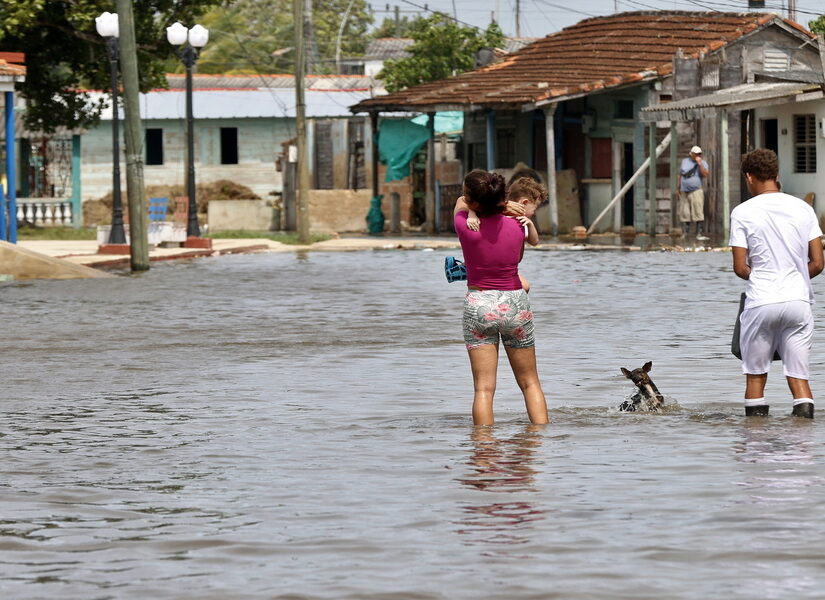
<point>298,426</point>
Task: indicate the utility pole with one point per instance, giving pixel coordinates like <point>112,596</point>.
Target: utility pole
<point>313,59</point>
<point>398,21</point>
<point>139,244</point>
<point>518,18</point>
<point>300,122</point>
<point>792,10</point>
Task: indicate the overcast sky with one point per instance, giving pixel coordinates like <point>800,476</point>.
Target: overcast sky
<point>541,17</point>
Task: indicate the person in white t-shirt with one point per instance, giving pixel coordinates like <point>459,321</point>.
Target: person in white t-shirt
<point>777,249</point>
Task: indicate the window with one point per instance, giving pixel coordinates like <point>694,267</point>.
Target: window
<point>710,76</point>
<point>505,147</point>
<point>624,109</point>
<point>324,155</point>
<point>229,145</point>
<point>804,143</point>
<point>154,146</point>
<point>775,60</point>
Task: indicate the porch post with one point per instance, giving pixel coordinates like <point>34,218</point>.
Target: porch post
<point>651,182</point>
<point>374,137</point>
<point>77,216</point>
<point>724,158</point>
<point>11,169</point>
<point>674,173</point>
<point>550,136</point>
<point>429,205</point>
<point>617,184</point>
<point>491,140</point>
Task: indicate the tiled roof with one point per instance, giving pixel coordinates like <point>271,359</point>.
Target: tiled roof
<point>594,54</point>
<point>11,70</point>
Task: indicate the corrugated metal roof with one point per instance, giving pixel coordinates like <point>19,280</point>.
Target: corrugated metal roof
<point>318,82</point>
<point>393,48</point>
<point>242,104</point>
<point>387,48</point>
<point>594,54</point>
<point>740,97</point>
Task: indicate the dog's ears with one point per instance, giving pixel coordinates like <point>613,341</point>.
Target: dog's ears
<point>626,373</point>
<point>647,366</point>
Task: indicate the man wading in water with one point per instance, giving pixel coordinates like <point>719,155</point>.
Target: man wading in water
<point>775,239</point>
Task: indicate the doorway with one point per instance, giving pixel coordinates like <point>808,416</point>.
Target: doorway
<point>770,134</point>
<point>628,200</point>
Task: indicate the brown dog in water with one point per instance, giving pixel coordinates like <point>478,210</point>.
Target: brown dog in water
<point>647,391</point>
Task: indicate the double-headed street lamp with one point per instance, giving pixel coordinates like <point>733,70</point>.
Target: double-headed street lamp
<point>107,26</point>
<point>197,36</point>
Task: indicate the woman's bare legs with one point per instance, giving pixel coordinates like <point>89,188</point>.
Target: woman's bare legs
<point>484,363</point>
<point>523,363</point>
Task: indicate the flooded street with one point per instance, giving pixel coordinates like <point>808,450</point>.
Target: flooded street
<point>298,426</point>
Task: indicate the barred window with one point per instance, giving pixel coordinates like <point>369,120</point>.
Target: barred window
<point>804,142</point>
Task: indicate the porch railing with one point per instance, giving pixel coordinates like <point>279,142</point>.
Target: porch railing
<point>45,212</point>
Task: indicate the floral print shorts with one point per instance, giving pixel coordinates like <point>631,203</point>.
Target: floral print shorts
<point>490,315</point>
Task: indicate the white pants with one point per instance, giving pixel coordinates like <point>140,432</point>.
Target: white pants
<point>786,327</point>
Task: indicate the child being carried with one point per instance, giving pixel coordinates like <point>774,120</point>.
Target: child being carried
<point>524,196</point>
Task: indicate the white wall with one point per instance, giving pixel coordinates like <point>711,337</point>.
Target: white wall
<point>797,184</point>
<point>259,142</point>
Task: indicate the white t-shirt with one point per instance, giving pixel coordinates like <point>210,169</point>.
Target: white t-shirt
<point>776,229</point>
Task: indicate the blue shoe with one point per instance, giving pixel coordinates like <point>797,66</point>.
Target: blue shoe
<point>454,269</point>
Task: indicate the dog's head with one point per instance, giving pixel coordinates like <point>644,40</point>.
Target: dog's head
<point>647,388</point>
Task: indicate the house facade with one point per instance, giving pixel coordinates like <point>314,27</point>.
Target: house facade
<point>574,98</point>
<point>240,124</point>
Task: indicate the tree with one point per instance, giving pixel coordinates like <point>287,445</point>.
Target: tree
<point>817,25</point>
<point>442,48</point>
<point>65,55</point>
<point>256,36</point>
<point>390,28</point>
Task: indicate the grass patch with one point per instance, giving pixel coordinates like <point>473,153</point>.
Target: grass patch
<point>56,233</point>
<point>278,236</point>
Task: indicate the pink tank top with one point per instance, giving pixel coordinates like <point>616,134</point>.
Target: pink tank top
<point>491,254</point>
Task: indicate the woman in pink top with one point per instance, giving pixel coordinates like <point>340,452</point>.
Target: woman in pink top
<point>496,307</point>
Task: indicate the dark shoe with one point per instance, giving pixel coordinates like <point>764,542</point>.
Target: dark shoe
<point>803,409</point>
<point>757,411</point>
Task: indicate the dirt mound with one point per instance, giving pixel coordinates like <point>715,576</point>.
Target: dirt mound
<point>99,212</point>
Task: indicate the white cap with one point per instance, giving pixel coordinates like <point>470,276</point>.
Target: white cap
<point>696,150</point>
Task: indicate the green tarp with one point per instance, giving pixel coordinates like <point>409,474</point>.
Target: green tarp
<point>398,141</point>
<point>449,121</point>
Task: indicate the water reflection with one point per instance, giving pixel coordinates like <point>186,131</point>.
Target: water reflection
<point>502,465</point>
<point>765,441</point>
<point>781,471</point>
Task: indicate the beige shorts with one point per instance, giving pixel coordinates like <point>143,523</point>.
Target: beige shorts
<point>692,206</point>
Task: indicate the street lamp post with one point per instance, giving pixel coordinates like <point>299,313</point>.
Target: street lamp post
<point>107,26</point>
<point>191,41</point>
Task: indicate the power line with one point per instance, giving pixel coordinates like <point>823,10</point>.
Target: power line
<point>565,8</point>
<point>425,8</point>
